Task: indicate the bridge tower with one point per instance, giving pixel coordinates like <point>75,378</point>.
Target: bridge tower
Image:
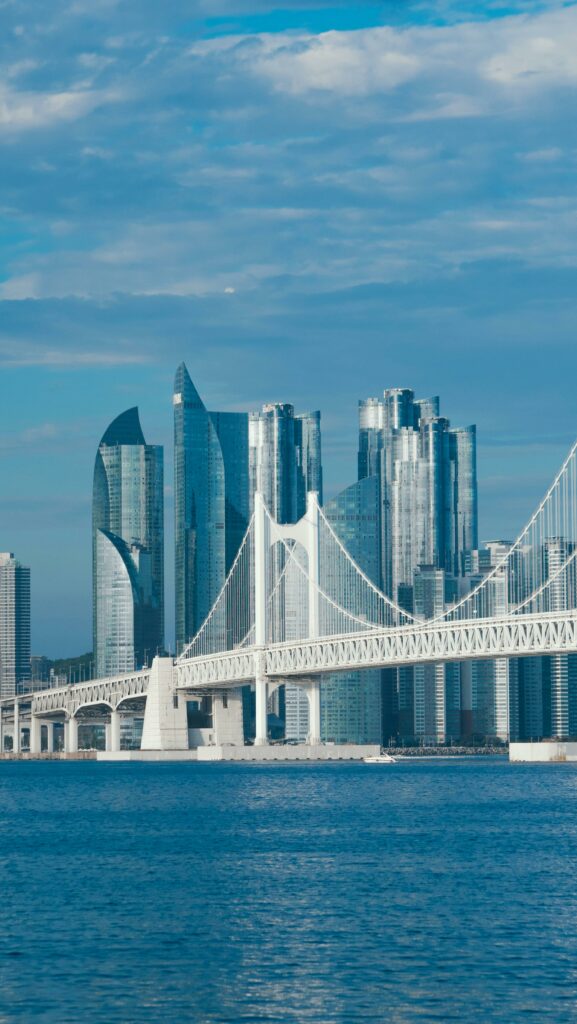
<point>306,533</point>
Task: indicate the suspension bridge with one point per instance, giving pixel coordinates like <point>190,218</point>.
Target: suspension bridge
<point>295,606</point>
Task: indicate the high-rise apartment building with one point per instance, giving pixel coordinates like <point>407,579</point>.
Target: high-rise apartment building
<point>351,701</point>
<point>14,625</point>
<point>285,459</point>
<point>428,478</point>
<point>522,698</point>
<point>428,524</point>
<point>562,668</point>
<point>128,548</point>
<point>488,686</point>
<point>436,703</point>
<point>212,502</point>
<point>543,692</point>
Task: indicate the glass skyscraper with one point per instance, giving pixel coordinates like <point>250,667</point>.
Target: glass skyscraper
<point>543,691</point>
<point>128,548</point>
<point>428,477</point>
<point>351,701</point>
<point>285,459</point>
<point>428,520</point>
<point>212,504</point>
<point>14,625</point>
<point>436,688</point>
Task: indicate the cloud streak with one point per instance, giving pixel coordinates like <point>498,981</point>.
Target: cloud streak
<point>23,355</point>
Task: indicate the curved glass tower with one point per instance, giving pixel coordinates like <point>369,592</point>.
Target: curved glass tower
<point>128,548</point>
<point>211,499</point>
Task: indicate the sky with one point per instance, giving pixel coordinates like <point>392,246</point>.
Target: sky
<point>307,202</point>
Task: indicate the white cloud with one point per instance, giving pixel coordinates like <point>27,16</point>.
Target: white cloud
<point>23,287</point>
<point>353,64</point>
<point>21,111</point>
<point>30,437</point>
<point>538,52</point>
<point>548,156</point>
<point>532,51</point>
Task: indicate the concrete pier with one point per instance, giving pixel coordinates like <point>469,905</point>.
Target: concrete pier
<point>255,754</point>
<point>543,751</point>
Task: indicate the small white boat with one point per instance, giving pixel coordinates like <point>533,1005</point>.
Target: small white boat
<point>380,759</point>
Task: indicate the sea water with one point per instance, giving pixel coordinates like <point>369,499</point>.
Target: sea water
<point>433,890</point>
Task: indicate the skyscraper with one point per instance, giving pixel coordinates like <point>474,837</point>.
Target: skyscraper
<point>436,688</point>
<point>284,465</point>
<point>562,668</point>
<point>428,518</point>
<point>285,459</point>
<point>489,686</point>
<point>351,701</point>
<point>211,495</point>
<point>128,548</point>
<point>428,478</point>
<point>14,625</point>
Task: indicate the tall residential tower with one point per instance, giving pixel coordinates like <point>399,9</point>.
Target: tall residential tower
<point>427,477</point>
<point>128,548</point>
<point>14,625</point>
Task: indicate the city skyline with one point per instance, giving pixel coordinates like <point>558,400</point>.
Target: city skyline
<point>61,648</point>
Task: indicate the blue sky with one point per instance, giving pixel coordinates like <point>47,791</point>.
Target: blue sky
<point>307,203</point>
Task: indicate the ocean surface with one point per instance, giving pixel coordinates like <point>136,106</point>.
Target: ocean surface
<point>424,891</point>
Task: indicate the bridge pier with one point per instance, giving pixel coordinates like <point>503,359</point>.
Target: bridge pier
<point>16,745</point>
<point>35,734</point>
<point>71,735</point>
<point>113,733</point>
<point>165,726</point>
<point>49,737</point>
<point>261,712</point>
<point>314,696</point>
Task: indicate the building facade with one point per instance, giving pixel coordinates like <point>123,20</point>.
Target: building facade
<point>15,672</point>
<point>351,701</point>
<point>128,548</point>
<point>211,498</point>
<point>427,476</point>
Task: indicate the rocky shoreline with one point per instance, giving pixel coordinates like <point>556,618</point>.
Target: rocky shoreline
<point>447,751</point>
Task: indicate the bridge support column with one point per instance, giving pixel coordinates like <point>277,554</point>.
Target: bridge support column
<point>260,698</point>
<point>16,738</point>
<point>314,695</point>
<point>165,723</point>
<point>71,735</point>
<point>35,735</point>
<point>49,737</point>
<point>114,732</point>
<point>261,712</point>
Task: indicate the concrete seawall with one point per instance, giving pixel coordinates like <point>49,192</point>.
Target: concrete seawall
<point>274,752</point>
<point>544,751</point>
